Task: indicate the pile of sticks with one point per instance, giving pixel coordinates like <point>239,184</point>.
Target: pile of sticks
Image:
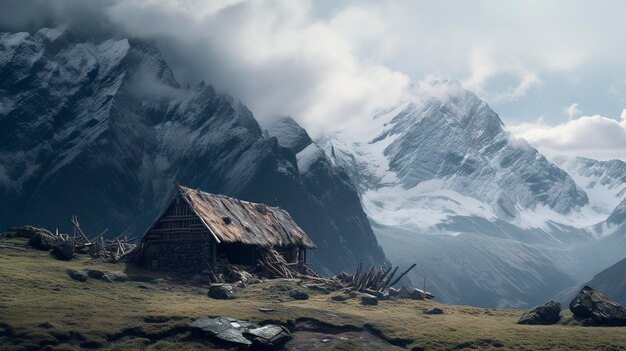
<point>373,279</point>
<point>98,247</point>
<point>275,264</point>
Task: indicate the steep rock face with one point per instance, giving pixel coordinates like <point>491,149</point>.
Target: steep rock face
<point>603,181</point>
<point>454,138</point>
<point>101,129</point>
<point>618,216</point>
<point>331,185</point>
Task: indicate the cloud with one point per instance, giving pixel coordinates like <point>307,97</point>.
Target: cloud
<point>573,111</point>
<point>330,63</point>
<point>588,136</point>
<point>273,55</point>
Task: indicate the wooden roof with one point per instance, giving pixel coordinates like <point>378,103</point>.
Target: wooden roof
<point>235,221</point>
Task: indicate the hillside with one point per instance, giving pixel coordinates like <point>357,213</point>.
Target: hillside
<point>43,308</point>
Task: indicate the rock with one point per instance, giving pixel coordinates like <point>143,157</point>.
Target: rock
<point>546,314</point>
<point>226,329</point>
<point>412,293</point>
<point>434,311</point>
<point>95,274</point>
<point>26,232</point>
<point>222,292</point>
<point>341,297</point>
<point>369,300</point>
<point>597,309</point>
<point>105,278</point>
<point>42,241</point>
<point>63,250</point>
<point>117,276</point>
<point>266,310</point>
<point>298,294</point>
<point>80,276</point>
<point>268,337</point>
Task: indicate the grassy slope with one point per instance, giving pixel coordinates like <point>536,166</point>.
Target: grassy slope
<point>35,289</point>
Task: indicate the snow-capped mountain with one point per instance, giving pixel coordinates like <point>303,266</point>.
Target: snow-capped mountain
<point>603,181</point>
<point>489,219</point>
<point>101,129</point>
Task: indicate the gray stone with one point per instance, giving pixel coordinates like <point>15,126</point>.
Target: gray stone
<point>222,292</point>
<point>42,241</point>
<point>341,297</point>
<point>412,293</point>
<point>546,314</point>
<point>95,274</point>
<point>434,310</point>
<point>63,250</point>
<point>268,337</point>
<point>369,300</point>
<point>80,276</point>
<point>226,329</point>
<point>118,276</point>
<point>597,309</point>
<point>298,294</point>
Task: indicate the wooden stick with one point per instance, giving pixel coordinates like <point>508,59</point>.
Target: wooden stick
<point>403,274</point>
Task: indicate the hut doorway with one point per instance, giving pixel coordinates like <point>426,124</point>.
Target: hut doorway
<point>237,253</point>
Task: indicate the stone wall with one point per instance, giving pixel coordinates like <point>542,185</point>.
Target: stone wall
<point>178,255</point>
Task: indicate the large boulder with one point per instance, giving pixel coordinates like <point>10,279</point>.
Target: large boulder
<point>594,308</point>
<point>225,329</point>
<point>242,334</point>
<point>222,292</point>
<point>42,241</point>
<point>546,314</point>
<point>63,250</point>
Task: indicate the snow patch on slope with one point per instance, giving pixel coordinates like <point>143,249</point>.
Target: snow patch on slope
<point>423,206</point>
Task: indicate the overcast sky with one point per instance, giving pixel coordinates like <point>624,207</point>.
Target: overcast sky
<point>545,66</point>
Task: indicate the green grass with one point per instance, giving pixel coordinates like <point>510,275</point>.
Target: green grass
<point>144,314</point>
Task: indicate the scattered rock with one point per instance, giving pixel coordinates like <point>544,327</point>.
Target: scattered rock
<point>117,276</point>
<point>369,300</point>
<point>268,337</point>
<point>243,334</point>
<point>80,276</point>
<point>225,329</point>
<point>95,274</point>
<point>107,279</point>
<point>63,250</point>
<point>298,294</point>
<point>222,292</point>
<point>26,232</point>
<point>341,297</point>
<point>596,309</point>
<point>412,293</point>
<point>434,311</point>
<point>546,314</point>
<point>42,241</point>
